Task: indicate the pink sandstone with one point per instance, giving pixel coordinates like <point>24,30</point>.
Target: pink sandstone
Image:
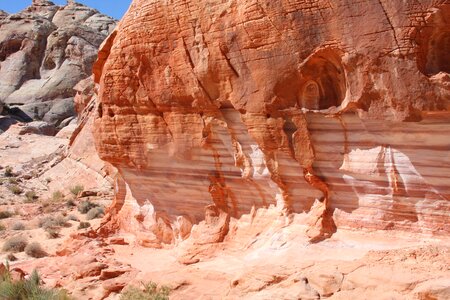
<point>336,109</point>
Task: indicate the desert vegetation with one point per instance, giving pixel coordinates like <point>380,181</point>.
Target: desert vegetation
<point>18,226</point>
<point>95,213</point>
<point>57,196</point>
<point>5,214</point>
<point>147,291</point>
<point>15,189</point>
<point>75,190</point>
<point>15,244</point>
<point>8,172</point>
<point>35,250</point>
<point>85,206</point>
<point>84,225</point>
<point>53,221</point>
<point>27,289</point>
<point>30,196</point>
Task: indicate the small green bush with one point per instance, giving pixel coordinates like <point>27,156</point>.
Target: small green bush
<point>149,291</point>
<point>95,213</point>
<point>15,244</point>
<point>30,196</point>
<point>75,190</point>
<point>5,214</point>
<point>35,250</point>
<point>57,196</point>
<point>18,226</point>
<point>28,289</point>
<point>9,172</point>
<point>85,206</point>
<point>84,225</point>
<point>15,189</point>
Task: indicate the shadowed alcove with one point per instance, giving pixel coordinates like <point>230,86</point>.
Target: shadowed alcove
<point>433,43</point>
<point>322,81</point>
<point>438,54</point>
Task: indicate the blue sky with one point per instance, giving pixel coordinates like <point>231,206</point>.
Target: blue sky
<point>113,8</point>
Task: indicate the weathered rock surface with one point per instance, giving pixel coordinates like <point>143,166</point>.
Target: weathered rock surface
<point>243,131</point>
<point>45,50</point>
<point>221,106</point>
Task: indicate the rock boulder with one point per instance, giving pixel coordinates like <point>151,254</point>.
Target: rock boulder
<point>229,105</point>
<point>45,50</point>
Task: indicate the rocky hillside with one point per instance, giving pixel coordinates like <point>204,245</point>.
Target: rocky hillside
<point>45,50</point>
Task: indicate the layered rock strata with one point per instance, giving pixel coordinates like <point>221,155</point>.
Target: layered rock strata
<point>45,50</point>
<point>210,109</point>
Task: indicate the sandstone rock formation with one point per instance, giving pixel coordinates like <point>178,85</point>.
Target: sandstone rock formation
<point>45,50</point>
<point>226,106</point>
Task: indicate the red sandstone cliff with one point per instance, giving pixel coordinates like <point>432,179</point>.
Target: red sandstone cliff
<point>226,106</point>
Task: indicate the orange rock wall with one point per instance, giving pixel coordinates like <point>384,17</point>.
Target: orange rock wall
<point>233,104</point>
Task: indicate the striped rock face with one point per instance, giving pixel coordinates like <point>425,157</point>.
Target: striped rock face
<point>332,109</point>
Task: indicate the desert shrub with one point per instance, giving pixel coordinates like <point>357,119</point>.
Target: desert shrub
<point>94,213</point>
<point>28,289</point>
<point>12,180</point>
<point>53,222</point>
<point>30,196</point>
<point>34,174</point>
<point>75,190</point>
<point>70,203</point>
<point>35,250</point>
<point>48,206</point>
<point>2,227</point>
<point>9,172</point>
<point>46,222</point>
<point>57,196</point>
<point>61,221</point>
<point>149,291</point>
<point>11,257</point>
<point>5,214</point>
<point>18,226</point>
<point>84,225</point>
<point>52,233</point>
<point>85,206</point>
<point>73,218</point>
<point>15,189</point>
<point>15,244</point>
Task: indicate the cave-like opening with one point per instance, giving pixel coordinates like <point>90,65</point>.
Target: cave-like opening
<point>322,81</point>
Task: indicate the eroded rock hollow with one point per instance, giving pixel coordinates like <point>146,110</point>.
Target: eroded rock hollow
<point>335,109</point>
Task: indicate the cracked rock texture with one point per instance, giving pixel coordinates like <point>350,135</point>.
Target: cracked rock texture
<point>334,109</point>
<point>45,50</point>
